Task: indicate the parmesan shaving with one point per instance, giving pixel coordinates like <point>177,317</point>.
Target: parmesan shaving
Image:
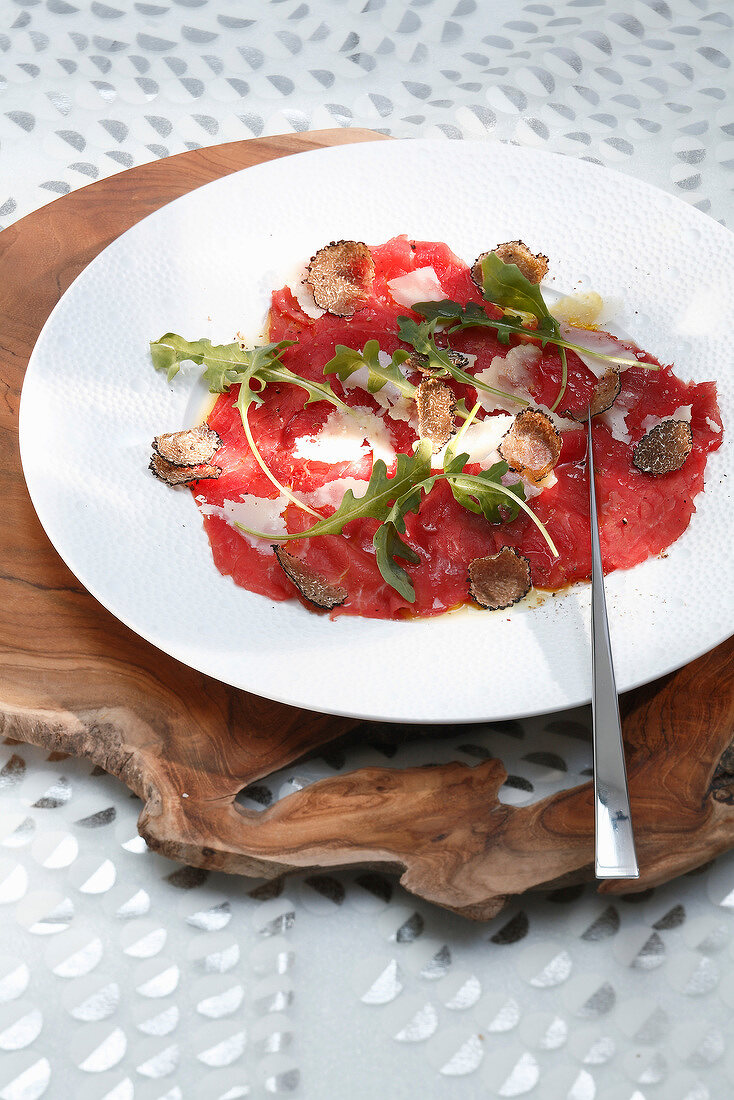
<point>509,373</point>
<point>330,495</point>
<point>480,441</point>
<point>388,398</point>
<point>404,409</point>
<point>601,342</point>
<point>260,513</point>
<point>421,285</point>
<point>616,420</point>
<point>560,423</point>
<point>297,285</point>
<point>348,438</point>
<point>683,412</point>
<point>531,489</point>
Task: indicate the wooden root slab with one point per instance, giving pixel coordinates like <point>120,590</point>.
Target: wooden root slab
<point>76,680</point>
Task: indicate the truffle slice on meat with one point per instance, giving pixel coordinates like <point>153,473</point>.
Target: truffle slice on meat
<point>664,448</point>
<point>436,406</point>
<point>532,446</point>
<point>308,582</point>
<point>340,277</point>
<point>500,580</point>
<point>188,448</point>
<point>174,474</point>
<point>605,393</point>
<point>533,267</point>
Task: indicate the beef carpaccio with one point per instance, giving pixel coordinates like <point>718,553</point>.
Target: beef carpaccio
<point>319,453</point>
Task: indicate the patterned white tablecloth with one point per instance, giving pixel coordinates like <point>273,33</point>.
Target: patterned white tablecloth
<point>122,975</point>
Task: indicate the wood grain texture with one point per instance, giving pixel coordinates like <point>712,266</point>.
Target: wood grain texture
<point>76,680</point>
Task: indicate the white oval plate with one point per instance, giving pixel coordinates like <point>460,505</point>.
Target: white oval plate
<point>205,266</point>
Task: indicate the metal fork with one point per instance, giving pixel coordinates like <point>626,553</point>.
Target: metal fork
<point>615,843</point>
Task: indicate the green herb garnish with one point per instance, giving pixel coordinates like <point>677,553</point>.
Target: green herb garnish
<point>422,337</point>
<point>386,499</point>
<point>485,493</point>
<point>252,369</point>
<point>230,364</point>
<point>390,499</point>
<point>458,317</point>
<point>505,286</point>
<point>347,360</point>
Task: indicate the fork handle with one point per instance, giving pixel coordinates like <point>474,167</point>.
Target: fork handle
<point>615,855</point>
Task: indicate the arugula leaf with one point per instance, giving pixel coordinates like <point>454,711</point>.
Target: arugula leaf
<point>469,481</point>
<point>389,546</point>
<point>387,499</point>
<point>171,350</point>
<point>449,310</point>
<point>221,361</point>
<point>347,360</point>
<point>227,365</point>
<point>470,316</point>
<point>381,492</point>
<point>422,338</point>
<point>506,286</point>
<point>482,495</point>
<point>458,318</point>
<point>317,391</point>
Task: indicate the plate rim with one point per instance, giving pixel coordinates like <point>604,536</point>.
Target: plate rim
<point>579,164</point>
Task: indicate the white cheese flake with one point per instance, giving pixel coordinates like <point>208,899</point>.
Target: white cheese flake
<point>532,489</point>
<point>713,425</point>
<point>296,283</point>
<point>421,285</point>
<point>259,513</point>
<point>511,374</point>
<point>331,493</point>
<point>616,420</point>
<point>560,423</point>
<point>480,441</point>
<point>404,409</point>
<point>600,342</point>
<point>683,412</point>
<point>348,438</point>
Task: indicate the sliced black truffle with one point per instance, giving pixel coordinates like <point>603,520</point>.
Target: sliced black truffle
<point>340,277</point>
<point>308,582</point>
<point>605,393</point>
<point>533,267</point>
<point>664,448</point>
<point>436,407</point>
<point>188,448</point>
<point>500,580</point>
<point>532,446</point>
<point>173,474</point>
